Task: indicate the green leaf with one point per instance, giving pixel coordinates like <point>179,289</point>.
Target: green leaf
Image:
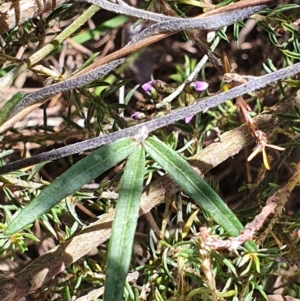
<point>296,46</point>
<point>291,54</point>
<point>267,28</point>
<point>124,225</point>
<point>222,34</point>
<point>109,24</point>
<point>288,117</point>
<point>236,29</point>
<point>6,152</point>
<point>58,11</point>
<point>73,179</point>
<point>9,106</point>
<point>273,39</point>
<point>290,27</point>
<point>283,8</point>
<point>223,3</point>
<point>114,88</point>
<point>192,184</point>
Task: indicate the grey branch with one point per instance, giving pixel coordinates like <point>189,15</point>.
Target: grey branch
<point>155,124</point>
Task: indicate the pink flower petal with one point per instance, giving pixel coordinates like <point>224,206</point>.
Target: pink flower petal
<point>188,118</point>
<point>147,87</point>
<point>200,86</point>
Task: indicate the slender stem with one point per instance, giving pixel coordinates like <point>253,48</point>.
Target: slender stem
<point>36,57</point>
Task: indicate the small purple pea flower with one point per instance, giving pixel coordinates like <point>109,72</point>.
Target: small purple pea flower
<point>138,115</point>
<point>196,87</point>
<point>149,87</point>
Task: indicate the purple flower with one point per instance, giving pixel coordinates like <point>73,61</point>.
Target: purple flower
<point>138,115</point>
<point>198,86</point>
<point>149,87</point>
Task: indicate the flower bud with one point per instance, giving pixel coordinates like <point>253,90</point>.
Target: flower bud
<point>138,115</point>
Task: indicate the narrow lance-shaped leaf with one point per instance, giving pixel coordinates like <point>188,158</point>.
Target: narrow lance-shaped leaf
<point>9,106</point>
<point>124,225</point>
<point>193,185</point>
<point>73,179</point>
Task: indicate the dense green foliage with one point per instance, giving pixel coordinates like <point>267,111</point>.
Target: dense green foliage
<point>180,213</point>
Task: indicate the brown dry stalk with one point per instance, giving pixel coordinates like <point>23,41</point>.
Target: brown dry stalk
<point>51,263</point>
<point>282,196</point>
<point>274,206</point>
<point>153,39</point>
<point>250,229</point>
